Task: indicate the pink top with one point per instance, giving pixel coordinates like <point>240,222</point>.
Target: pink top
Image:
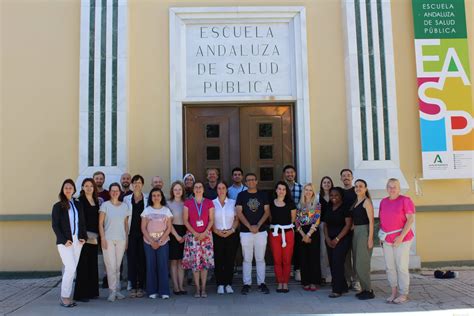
<point>193,216</point>
<point>392,216</point>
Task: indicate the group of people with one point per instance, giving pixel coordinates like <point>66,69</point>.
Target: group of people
<point>326,235</point>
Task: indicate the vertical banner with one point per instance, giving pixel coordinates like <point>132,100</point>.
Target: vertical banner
<point>444,89</point>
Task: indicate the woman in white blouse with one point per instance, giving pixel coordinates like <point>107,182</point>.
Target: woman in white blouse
<point>225,238</point>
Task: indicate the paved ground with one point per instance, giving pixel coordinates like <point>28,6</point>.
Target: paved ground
<point>448,297</point>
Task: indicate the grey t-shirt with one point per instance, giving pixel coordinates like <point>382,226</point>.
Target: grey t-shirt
<point>114,220</point>
<point>177,210</point>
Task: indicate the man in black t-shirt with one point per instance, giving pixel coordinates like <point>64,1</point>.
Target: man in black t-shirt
<point>348,200</point>
<point>253,211</point>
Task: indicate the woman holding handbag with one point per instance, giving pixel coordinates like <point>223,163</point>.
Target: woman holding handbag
<point>87,277</point>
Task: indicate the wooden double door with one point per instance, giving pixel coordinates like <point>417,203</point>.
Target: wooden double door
<point>258,139</point>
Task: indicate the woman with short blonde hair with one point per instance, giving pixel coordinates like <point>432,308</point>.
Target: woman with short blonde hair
<point>397,214</point>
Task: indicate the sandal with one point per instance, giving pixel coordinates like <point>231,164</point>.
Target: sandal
<point>306,288</point>
<point>197,294</point>
<point>390,299</point>
<point>64,304</point>
<point>334,295</point>
<point>203,294</point>
<point>401,299</point>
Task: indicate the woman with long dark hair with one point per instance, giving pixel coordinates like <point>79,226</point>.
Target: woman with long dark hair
<point>338,240</point>
<point>157,221</point>
<point>363,239</point>
<point>323,197</point>
<point>282,238</point>
<point>87,276</point>
<point>69,226</point>
<point>226,241</point>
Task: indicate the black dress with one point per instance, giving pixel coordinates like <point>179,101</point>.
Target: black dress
<point>87,273</point>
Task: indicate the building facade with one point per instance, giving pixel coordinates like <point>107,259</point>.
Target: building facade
<point>167,87</point>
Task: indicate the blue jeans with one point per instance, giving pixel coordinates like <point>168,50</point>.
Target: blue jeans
<point>157,270</point>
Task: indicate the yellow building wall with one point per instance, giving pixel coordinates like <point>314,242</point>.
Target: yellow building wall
<point>40,102</point>
<point>445,236</point>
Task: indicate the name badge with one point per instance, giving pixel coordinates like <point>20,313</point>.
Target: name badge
<point>200,223</point>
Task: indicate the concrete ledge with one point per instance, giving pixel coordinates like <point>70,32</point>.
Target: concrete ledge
<point>444,208</point>
<point>25,218</point>
<point>441,264</point>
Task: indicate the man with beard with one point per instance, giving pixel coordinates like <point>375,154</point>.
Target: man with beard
<point>157,182</point>
<point>237,185</point>
<point>350,197</point>
<point>99,179</point>
<point>296,189</point>
<point>125,180</point>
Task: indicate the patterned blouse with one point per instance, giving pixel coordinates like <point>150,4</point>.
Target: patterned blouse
<point>307,215</point>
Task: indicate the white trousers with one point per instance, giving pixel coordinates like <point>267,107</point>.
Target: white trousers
<point>253,244</point>
<point>70,257</point>
<point>324,260</point>
<point>113,259</point>
<point>396,264</point>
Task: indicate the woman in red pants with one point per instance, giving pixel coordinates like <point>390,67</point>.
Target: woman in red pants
<point>282,237</point>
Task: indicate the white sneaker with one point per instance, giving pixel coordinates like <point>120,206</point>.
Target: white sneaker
<point>119,295</point>
<point>356,286</point>
<point>229,289</point>
<point>111,297</point>
<point>297,275</point>
<point>220,289</point>
<point>165,297</point>
<point>153,296</point>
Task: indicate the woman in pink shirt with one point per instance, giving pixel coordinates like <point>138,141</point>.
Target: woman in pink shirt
<point>397,214</point>
<point>198,217</point>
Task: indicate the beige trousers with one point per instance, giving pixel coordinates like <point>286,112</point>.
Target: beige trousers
<point>113,259</point>
<point>396,264</point>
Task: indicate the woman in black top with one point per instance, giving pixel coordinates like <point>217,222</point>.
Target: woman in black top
<point>68,223</point>
<point>336,232</point>
<point>87,275</point>
<point>324,188</point>
<point>363,238</point>
<point>282,237</point>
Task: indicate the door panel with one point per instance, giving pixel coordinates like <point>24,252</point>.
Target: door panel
<point>259,139</point>
<point>212,140</point>
<point>266,142</point>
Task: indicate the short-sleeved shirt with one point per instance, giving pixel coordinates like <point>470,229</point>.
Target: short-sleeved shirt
<point>281,215</point>
<point>224,215</point>
<point>157,220</point>
<point>336,219</point>
<point>392,214</point>
<point>252,208</point>
<point>176,208</point>
<point>210,193</point>
<point>114,220</point>
<point>193,216</point>
<point>233,192</point>
<point>350,197</point>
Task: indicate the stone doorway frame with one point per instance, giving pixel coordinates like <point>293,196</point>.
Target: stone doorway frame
<point>296,17</point>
